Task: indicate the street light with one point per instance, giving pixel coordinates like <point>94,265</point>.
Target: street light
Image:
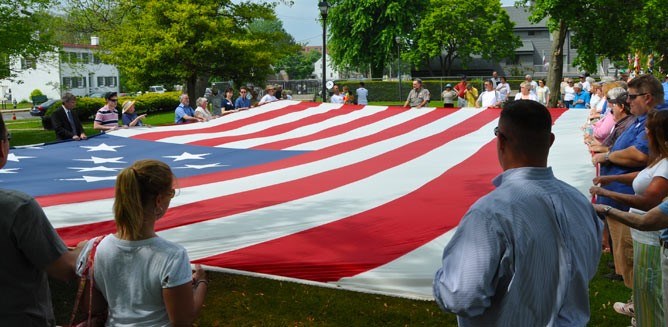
<point>398,40</point>
<point>324,7</point>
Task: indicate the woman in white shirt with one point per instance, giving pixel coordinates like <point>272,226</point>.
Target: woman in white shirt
<point>525,93</point>
<point>269,97</point>
<point>503,88</point>
<point>146,280</point>
<point>202,111</point>
<point>543,92</point>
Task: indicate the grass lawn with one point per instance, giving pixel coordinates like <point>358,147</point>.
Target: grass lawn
<point>235,300</point>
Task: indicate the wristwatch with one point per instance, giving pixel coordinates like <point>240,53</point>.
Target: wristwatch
<point>607,209</point>
<point>607,156</point>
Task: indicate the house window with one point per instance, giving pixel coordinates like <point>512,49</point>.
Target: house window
<point>96,59</point>
<point>74,82</point>
<point>28,63</point>
<point>514,60</point>
<point>110,81</point>
<point>85,58</point>
<point>531,32</point>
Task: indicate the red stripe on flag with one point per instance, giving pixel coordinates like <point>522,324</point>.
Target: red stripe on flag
<point>351,246</point>
<point>154,136</point>
<point>332,131</point>
<point>275,130</point>
<point>295,189</point>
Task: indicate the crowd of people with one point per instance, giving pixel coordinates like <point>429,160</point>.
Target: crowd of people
<point>537,240</point>
<point>534,235</point>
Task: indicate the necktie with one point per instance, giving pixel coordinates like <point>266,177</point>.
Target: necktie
<point>71,120</point>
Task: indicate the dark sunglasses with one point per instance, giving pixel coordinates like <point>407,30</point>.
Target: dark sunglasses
<point>634,96</point>
<point>113,100</point>
<point>497,132</point>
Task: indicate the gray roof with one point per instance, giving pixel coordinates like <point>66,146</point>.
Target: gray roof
<point>521,18</point>
<point>527,46</point>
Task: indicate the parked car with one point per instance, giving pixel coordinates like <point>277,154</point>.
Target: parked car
<point>40,109</point>
<point>156,89</point>
<point>96,95</point>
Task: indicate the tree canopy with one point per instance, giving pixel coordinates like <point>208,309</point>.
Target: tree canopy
<point>460,29</point>
<point>362,33</point>
<point>188,42</point>
<point>24,31</point>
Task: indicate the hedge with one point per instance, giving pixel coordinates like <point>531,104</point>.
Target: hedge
<point>147,102</point>
<point>389,90</point>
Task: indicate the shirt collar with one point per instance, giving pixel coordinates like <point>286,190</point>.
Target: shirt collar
<point>524,173</point>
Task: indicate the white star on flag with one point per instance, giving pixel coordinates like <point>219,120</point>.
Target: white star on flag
<point>16,158</point>
<point>9,170</point>
<point>201,166</point>
<point>102,147</point>
<point>188,156</point>
<point>98,168</point>
<point>90,179</point>
<point>98,160</point>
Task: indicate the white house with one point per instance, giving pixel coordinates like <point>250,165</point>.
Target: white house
<point>76,68</point>
<point>332,74</point>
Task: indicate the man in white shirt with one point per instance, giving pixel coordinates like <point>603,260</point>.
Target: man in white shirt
<point>336,97</point>
<point>362,94</point>
<point>489,97</point>
<point>534,85</point>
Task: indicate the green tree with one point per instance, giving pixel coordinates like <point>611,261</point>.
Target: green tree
<point>362,33</point>
<point>186,42</point>
<point>24,31</point>
<point>298,65</point>
<point>460,29</point>
<point>590,23</point>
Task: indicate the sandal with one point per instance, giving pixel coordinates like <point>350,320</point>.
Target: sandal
<point>624,308</point>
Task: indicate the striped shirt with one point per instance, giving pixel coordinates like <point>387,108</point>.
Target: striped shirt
<point>104,116</point>
<point>523,255</point>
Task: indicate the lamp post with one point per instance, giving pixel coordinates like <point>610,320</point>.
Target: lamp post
<point>324,7</point>
<point>398,40</point>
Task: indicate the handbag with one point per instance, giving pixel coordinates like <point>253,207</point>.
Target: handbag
<point>92,319</point>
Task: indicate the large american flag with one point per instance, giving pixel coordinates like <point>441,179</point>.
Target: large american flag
<point>357,197</point>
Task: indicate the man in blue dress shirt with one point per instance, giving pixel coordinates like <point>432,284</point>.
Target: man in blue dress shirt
<point>523,255</point>
<point>184,113</point>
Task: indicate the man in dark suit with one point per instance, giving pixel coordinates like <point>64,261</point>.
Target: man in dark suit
<point>66,122</point>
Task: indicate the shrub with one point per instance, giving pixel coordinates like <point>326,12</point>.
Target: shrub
<point>87,107</point>
<point>35,93</point>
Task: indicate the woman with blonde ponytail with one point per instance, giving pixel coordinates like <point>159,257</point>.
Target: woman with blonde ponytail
<point>145,279</point>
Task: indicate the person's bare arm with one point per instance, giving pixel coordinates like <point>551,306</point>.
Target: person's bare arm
<point>64,267</point>
<point>184,302</point>
<point>654,219</point>
<point>655,192</point>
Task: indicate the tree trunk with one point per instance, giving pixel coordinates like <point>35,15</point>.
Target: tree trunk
<point>377,71</point>
<point>196,86</point>
<point>556,69</point>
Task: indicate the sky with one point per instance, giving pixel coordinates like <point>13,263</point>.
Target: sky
<point>301,20</point>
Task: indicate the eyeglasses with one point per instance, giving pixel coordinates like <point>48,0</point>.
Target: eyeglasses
<point>113,100</point>
<point>172,193</point>
<point>497,132</point>
<point>634,96</point>
<point>242,91</point>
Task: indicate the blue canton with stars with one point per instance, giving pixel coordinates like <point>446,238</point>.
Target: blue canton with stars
<point>86,165</point>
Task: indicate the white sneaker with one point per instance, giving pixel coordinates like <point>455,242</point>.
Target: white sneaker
<point>624,308</point>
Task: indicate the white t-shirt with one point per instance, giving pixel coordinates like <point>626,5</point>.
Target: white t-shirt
<point>362,93</point>
<point>132,274</point>
<point>336,98</point>
<point>531,96</point>
<point>489,98</point>
<point>268,98</point>
<point>204,113</point>
<point>640,184</point>
<point>569,93</point>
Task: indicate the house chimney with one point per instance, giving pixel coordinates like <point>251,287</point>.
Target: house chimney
<point>94,40</point>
